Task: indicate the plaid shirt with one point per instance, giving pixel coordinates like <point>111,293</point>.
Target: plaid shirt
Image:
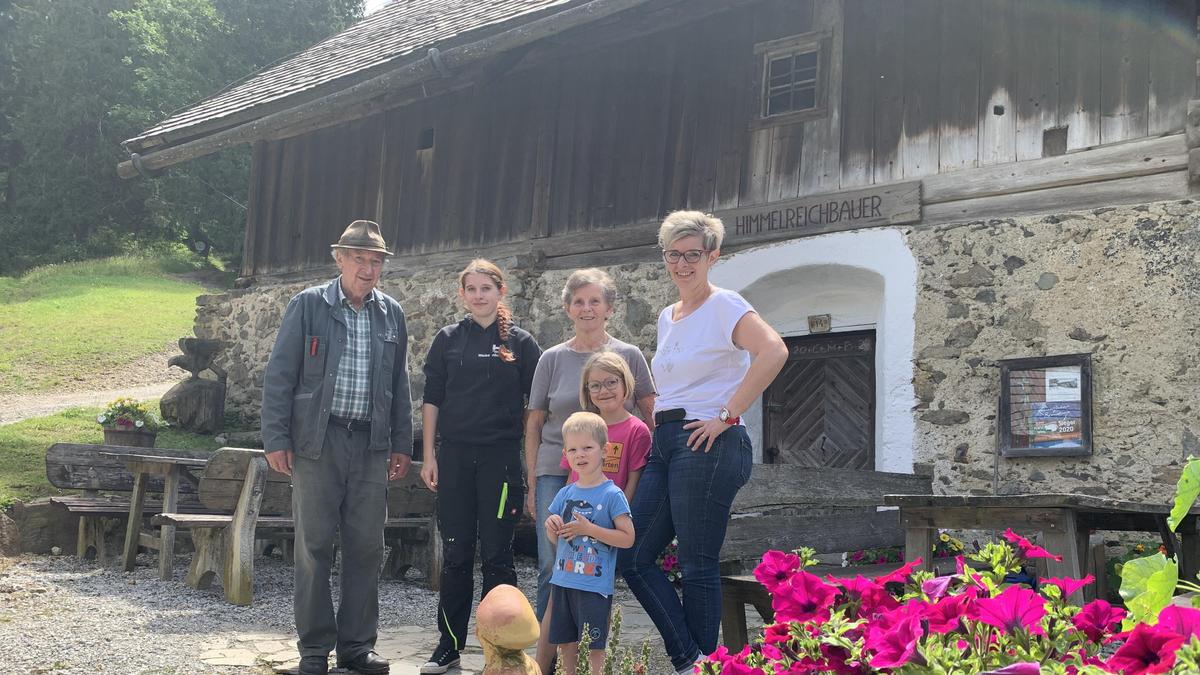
<point>352,390</point>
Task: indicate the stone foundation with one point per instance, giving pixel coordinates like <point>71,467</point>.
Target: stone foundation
<point>1120,283</point>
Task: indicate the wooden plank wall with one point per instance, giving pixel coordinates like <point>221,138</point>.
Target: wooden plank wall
<point>624,134</point>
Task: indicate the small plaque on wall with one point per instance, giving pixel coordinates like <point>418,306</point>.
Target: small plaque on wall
<point>820,323</point>
<point>1046,406</point>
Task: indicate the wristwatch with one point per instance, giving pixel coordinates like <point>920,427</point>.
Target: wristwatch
<point>727,417</point>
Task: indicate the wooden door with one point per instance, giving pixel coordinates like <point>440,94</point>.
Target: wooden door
<point>820,410</point>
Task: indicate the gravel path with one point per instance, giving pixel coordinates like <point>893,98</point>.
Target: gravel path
<point>61,615</point>
<point>147,377</point>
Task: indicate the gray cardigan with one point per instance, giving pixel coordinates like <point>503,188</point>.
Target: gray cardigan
<point>298,384</point>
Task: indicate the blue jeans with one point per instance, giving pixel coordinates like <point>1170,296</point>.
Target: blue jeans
<point>546,489</point>
<point>687,495</point>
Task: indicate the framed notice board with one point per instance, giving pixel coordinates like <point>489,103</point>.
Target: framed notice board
<point>1046,406</point>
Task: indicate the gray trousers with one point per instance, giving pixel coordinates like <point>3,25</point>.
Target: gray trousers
<point>344,490</point>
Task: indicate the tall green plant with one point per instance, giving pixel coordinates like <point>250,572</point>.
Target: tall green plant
<point>1148,583</point>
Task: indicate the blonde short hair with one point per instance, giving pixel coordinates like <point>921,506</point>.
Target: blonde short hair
<point>585,277</point>
<point>587,423</point>
<point>681,224</point>
<point>609,362</point>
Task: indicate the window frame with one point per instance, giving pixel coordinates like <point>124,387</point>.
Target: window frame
<point>1004,411</point>
<point>819,42</point>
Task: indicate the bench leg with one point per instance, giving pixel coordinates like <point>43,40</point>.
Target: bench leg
<point>918,543</point>
<point>208,559</point>
<point>1063,538</point>
<point>166,533</point>
<point>733,622</point>
<point>137,501</point>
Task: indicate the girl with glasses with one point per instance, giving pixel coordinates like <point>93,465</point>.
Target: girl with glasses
<point>605,388</point>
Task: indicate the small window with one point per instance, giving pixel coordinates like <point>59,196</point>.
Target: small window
<point>793,79</point>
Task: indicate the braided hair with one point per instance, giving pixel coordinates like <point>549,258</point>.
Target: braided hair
<point>504,318</point>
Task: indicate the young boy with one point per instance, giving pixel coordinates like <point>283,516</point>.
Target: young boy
<point>589,520</point>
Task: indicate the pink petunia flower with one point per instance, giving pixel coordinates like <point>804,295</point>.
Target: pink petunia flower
<point>803,597</point>
<point>901,575</point>
<point>872,597</point>
<point>1069,585</point>
<point>1026,549</point>
<point>1182,620</point>
<point>943,616</point>
<point>894,645</point>
<point>1098,619</point>
<point>936,587</point>
<point>1016,607</point>
<point>776,633</point>
<point>1148,649</point>
<point>1023,668</point>
<point>775,569</point>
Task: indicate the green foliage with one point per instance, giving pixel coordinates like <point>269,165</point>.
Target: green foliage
<point>77,77</point>
<point>1185,494</point>
<point>1149,583</point>
<point>62,320</point>
<point>23,448</point>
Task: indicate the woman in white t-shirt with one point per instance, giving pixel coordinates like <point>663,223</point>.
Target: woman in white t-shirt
<point>715,358</point>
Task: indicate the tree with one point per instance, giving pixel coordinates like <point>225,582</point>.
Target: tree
<point>79,76</point>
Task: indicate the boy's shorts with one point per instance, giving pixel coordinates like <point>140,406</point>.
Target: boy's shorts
<point>572,608</point>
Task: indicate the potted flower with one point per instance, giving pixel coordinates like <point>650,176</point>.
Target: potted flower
<point>127,422</point>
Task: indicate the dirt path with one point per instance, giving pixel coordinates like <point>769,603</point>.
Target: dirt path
<point>147,377</point>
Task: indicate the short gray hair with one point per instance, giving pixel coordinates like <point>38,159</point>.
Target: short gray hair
<point>586,277</point>
<point>681,224</point>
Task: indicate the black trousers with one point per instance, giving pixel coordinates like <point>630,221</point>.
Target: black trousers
<point>481,493</point>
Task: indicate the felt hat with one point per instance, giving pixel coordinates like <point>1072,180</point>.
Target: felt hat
<point>363,235</point>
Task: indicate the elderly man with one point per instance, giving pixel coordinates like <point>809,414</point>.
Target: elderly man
<point>337,418</point>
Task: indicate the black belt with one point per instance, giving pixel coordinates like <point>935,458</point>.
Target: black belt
<point>669,415</point>
<point>349,424</point>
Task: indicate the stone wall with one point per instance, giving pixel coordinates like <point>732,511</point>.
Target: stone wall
<point>248,319</point>
<point>1120,283</point>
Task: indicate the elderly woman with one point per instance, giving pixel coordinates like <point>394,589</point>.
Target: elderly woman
<point>588,299</point>
<point>715,357</point>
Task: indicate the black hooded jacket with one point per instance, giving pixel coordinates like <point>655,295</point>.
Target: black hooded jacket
<point>480,398</point>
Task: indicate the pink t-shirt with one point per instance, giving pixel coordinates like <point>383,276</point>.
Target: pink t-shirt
<point>627,451</point>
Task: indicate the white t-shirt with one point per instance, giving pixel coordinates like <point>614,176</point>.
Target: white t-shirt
<point>697,367</point>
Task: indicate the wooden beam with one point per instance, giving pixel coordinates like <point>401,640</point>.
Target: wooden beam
<point>330,108</point>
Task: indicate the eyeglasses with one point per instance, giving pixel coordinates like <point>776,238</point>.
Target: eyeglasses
<point>692,256</point>
<point>609,384</point>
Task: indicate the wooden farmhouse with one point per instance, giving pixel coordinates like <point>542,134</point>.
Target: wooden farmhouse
<point>971,219</point>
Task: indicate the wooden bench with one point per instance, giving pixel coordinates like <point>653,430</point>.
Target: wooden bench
<point>107,483</point>
<point>784,507</point>
<point>257,504</point>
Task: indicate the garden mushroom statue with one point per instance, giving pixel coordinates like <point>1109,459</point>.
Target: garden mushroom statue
<point>506,626</point>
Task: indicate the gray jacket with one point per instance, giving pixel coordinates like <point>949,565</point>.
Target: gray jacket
<point>302,368</point>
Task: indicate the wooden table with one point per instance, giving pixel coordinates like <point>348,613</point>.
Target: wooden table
<point>1063,519</point>
<point>143,466</point>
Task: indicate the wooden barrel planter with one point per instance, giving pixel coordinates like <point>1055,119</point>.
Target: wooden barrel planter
<point>130,437</point>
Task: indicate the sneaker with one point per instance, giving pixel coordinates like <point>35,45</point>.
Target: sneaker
<point>443,659</point>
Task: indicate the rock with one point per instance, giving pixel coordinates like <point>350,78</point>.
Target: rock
<point>960,453</point>
<point>962,335</point>
<point>1047,281</point>
<point>10,537</point>
<point>1012,262</point>
<point>977,275</point>
<point>987,297</point>
<point>1082,335</point>
<point>956,310</point>
<point>945,417</point>
<point>940,352</point>
<point>1037,476</point>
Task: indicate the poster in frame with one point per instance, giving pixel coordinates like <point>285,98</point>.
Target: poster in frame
<point>1045,406</point>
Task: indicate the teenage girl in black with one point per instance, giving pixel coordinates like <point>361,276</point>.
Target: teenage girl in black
<point>477,377</point>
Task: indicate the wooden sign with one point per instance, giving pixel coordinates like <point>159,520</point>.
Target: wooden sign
<point>817,214</point>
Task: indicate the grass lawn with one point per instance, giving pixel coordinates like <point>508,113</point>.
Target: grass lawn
<point>60,321</point>
<point>23,449</point>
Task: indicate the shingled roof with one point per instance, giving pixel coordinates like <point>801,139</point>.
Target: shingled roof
<point>402,28</point>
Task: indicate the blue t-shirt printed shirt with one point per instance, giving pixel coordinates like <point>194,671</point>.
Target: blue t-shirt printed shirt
<point>584,563</point>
